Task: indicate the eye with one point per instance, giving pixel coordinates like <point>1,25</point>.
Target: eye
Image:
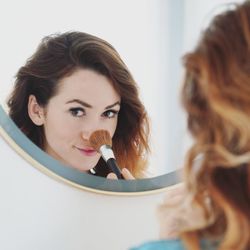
<point>77,112</point>
<point>110,113</point>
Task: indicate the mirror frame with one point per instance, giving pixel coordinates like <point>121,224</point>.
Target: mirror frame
<point>48,165</point>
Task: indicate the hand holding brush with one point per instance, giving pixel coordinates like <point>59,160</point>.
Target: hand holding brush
<point>101,141</point>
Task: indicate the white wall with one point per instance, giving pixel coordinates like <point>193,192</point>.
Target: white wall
<point>198,14</point>
<point>37,212</point>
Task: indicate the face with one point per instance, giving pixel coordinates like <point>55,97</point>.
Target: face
<point>86,101</point>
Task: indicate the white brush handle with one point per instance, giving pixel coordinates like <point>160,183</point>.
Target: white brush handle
<point>107,152</point>
<point>108,155</point>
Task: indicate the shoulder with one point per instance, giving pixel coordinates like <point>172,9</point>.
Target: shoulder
<point>161,245</point>
<point>176,244</point>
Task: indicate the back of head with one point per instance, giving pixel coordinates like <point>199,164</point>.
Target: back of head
<point>216,96</point>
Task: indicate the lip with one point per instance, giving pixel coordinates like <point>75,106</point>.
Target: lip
<point>87,151</point>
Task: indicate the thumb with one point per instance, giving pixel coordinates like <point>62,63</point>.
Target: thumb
<point>112,176</point>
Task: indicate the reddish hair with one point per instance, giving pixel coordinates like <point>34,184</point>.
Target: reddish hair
<point>216,96</point>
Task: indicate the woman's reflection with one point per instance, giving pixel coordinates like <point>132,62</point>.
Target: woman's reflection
<point>76,83</point>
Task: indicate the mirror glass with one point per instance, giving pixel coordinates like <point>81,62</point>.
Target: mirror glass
<point>150,36</point>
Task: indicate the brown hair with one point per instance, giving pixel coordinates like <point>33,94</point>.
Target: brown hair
<point>60,55</point>
<point>216,96</point>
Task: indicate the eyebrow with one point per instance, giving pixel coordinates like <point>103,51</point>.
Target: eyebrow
<point>90,106</point>
<point>112,105</point>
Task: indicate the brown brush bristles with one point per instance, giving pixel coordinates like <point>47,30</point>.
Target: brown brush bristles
<point>99,138</point>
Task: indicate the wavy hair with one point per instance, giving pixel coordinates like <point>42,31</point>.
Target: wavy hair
<point>216,96</point>
<point>59,55</point>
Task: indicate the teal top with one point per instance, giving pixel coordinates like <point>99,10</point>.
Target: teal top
<point>173,245</point>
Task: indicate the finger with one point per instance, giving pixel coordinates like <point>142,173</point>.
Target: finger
<point>127,175</point>
<point>175,191</point>
<point>112,176</point>
<point>169,232</point>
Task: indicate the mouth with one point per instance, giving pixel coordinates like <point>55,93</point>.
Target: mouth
<point>87,151</point>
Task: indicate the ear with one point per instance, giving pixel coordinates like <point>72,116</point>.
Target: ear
<point>35,111</point>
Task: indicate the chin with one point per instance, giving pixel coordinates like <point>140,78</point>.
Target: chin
<point>85,166</point>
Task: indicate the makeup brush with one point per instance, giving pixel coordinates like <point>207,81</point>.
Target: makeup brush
<point>101,141</point>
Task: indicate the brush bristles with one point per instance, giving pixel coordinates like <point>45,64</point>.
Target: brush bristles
<point>99,138</point>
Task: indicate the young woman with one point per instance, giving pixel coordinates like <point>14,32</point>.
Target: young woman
<point>74,84</point>
<point>214,210</point>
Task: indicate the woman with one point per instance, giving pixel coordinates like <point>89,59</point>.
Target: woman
<point>214,210</point>
<point>76,83</point>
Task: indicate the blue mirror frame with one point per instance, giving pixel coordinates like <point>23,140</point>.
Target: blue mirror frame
<point>13,135</point>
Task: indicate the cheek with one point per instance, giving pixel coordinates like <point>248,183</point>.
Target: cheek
<point>59,130</point>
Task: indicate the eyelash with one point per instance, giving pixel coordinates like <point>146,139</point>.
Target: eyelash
<point>74,112</point>
<point>115,112</point>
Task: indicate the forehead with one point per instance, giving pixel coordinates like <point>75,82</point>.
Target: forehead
<point>87,85</point>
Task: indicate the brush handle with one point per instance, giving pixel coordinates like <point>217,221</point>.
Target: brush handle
<point>114,168</point>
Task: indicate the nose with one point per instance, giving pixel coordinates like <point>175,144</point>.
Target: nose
<point>88,128</point>
<point>86,133</point>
